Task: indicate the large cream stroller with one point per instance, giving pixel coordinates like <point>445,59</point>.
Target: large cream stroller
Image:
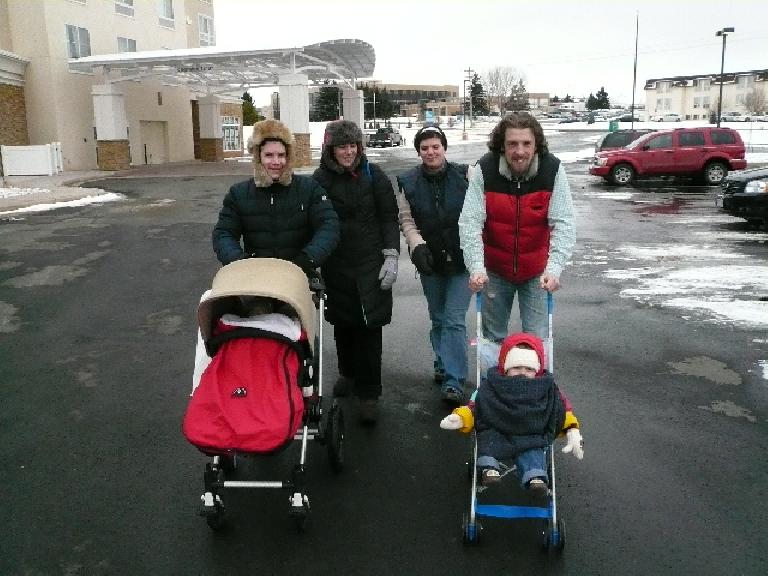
<point>255,373</point>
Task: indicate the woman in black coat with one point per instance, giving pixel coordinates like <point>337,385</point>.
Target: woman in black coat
<point>360,272</point>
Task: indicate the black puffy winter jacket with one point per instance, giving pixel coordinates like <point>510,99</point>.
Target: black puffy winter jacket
<point>276,222</point>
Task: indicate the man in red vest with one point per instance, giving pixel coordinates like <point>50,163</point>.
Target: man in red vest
<point>516,226</point>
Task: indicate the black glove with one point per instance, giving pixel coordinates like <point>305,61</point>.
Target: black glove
<point>421,256</point>
<point>305,263</point>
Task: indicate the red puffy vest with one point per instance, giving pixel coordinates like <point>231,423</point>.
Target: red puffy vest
<point>516,232</point>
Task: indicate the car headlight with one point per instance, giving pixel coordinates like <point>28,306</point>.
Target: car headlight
<point>756,187</point>
<point>600,161</point>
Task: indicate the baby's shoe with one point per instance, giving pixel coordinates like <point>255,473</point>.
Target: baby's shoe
<point>490,476</point>
<point>538,487</point>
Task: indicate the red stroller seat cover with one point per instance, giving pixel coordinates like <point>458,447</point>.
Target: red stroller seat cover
<point>249,398</point>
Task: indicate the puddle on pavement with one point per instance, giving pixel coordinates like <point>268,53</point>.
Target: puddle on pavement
<point>707,368</point>
<point>673,206</point>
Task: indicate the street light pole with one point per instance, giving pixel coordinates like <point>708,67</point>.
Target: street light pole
<point>469,72</point>
<point>724,33</point>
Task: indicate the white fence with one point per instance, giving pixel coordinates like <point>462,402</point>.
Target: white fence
<point>44,159</point>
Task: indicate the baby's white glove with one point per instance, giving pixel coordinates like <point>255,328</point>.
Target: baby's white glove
<point>452,422</point>
<point>574,443</point>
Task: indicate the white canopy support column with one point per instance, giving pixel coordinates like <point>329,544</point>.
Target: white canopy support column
<point>353,106</point>
<point>294,113</point>
<point>211,142</point>
<point>112,149</point>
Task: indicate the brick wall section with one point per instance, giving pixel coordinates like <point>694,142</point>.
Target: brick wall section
<point>113,154</point>
<point>211,150</point>
<point>13,116</point>
<point>302,152</point>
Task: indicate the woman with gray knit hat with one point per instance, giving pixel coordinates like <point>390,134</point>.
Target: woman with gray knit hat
<point>359,274</point>
<point>276,214</point>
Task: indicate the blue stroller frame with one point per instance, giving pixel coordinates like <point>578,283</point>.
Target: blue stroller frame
<point>553,534</point>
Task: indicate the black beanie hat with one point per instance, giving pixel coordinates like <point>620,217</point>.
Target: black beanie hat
<point>429,131</point>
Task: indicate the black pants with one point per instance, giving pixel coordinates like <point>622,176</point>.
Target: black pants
<point>358,350</point>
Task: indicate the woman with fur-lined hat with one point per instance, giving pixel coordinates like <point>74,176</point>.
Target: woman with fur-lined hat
<point>359,274</point>
<point>276,214</point>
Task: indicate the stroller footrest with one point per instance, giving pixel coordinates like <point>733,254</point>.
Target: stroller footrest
<point>255,484</point>
<point>501,511</point>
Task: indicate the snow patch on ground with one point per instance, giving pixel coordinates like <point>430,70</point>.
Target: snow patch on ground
<point>97,199</point>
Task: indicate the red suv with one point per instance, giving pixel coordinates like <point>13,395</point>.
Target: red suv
<point>708,153</point>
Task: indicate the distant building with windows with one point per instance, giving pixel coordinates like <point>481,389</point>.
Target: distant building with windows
<point>695,97</point>
<point>414,99</point>
<point>44,98</point>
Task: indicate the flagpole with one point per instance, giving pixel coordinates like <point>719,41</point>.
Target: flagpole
<point>634,75</point>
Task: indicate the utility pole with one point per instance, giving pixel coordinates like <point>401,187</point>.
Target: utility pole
<point>374,102</point>
<point>469,73</point>
<point>724,33</point>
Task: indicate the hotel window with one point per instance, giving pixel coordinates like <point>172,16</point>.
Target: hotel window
<point>697,102</point>
<point>165,13</point>
<point>230,128</point>
<point>78,42</point>
<point>705,102</point>
<point>124,7</point>
<point>126,44</point>
<point>207,33</point>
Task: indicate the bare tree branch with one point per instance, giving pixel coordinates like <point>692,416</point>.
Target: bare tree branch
<point>499,81</point>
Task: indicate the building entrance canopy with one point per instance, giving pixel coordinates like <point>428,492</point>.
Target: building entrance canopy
<point>215,71</point>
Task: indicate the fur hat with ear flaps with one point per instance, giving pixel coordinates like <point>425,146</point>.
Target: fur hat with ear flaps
<point>271,130</point>
<point>338,133</point>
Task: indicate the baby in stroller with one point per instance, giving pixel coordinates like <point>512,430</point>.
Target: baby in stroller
<point>251,359</point>
<point>517,412</point>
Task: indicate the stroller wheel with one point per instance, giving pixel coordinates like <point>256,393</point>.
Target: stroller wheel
<point>335,435</point>
<point>228,462</point>
<point>470,532</point>
<point>553,537</point>
<point>213,509</point>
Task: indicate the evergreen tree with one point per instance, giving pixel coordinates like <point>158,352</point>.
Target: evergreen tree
<point>602,99</point>
<point>250,115</point>
<point>518,98</point>
<point>567,99</point>
<point>592,103</point>
<point>326,105</point>
<point>554,99</point>
<point>479,97</point>
<point>385,107</point>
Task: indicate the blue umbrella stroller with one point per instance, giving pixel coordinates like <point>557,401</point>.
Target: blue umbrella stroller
<point>553,533</point>
<point>230,419</point>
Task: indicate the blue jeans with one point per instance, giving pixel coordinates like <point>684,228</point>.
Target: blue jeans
<point>498,298</point>
<point>447,301</point>
<point>529,464</point>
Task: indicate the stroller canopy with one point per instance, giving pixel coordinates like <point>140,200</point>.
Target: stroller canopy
<point>267,277</point>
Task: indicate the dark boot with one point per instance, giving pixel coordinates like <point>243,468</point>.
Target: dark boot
<point>368,411</point>
<point>343,387</point>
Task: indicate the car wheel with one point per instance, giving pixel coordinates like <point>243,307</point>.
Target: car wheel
<point>622,175</point>
<point>714,172</point>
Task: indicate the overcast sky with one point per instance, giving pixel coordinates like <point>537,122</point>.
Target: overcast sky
<point>560,47</point>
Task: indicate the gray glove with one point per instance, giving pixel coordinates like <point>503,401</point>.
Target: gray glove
<point>388,272</point>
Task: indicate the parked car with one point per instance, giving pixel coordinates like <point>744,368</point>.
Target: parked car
<point>708,153</point>
<point>668,117</point>
<point>745,194</point>
<point>619,138</point>
<point>734,117</point>
<point>628,118</point>
<point>386,136</point>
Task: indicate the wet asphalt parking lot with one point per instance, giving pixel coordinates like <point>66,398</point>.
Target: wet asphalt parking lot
<point>97,331</point>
